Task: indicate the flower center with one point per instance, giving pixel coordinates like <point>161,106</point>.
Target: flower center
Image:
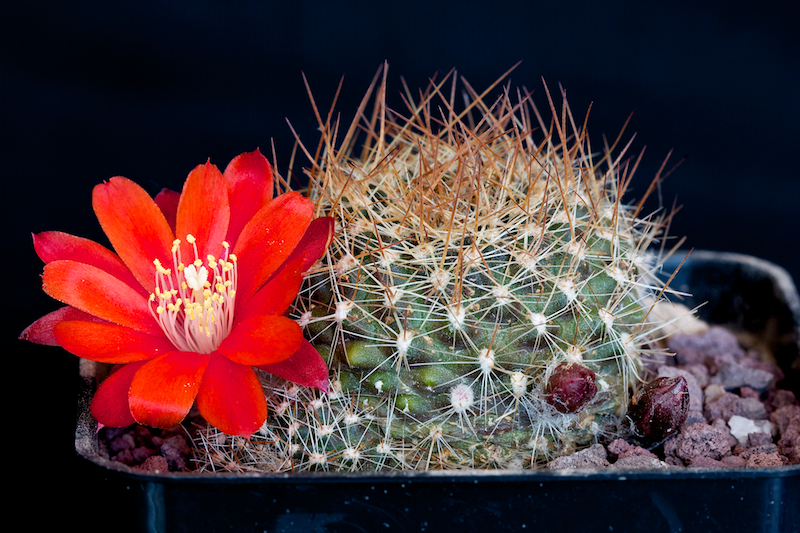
<point>194,303</point>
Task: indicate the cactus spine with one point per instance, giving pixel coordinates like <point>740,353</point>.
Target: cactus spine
<point>482,260</point>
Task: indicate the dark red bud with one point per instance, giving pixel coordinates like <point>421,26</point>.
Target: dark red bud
<point>659,408</point>
<point>570,387</point>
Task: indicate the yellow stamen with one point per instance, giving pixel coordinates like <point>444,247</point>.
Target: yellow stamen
<point>194,307</point>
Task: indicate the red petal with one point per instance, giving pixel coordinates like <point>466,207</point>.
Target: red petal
<point>231,398</point>
<point>110,402</point>
<point>164,389</point>
<point>262,340</point>
<point>41,331</point>
<point>203,212</point>
<point>268,240</point>
<point>249,180</point>
<point>109,343</point>
<point>100,294</point>
<point>306,367</point>
<point>135,226</point>
<point>314,242</point>
<point>167,201</point>
<point>54,246</point>
<point>277,295</point>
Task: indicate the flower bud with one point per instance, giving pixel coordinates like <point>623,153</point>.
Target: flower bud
<point>570,387</point>
<point>659,408</point>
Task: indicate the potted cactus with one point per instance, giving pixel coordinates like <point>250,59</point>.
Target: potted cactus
<point>485,300</point>
<point>486,304</point>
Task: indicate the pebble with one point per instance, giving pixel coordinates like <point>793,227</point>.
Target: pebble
<point>697,440</point>
<point>593,457</point>
<point>620,449</point>
<point>713,392</point>
<point>636,462</point>
<point>730,404</point>
<point>762,460</point>
<point>715,343</point>
<point>735,375</point>
<point>784,416</point>
<point>155,463</point>
<point>742,427</point>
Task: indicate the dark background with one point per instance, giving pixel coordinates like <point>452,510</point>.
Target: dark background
<point>148,90</point>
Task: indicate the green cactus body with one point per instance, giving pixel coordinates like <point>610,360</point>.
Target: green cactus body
<point>469,262</point>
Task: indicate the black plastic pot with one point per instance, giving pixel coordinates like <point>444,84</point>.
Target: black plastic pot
<point>746,293</point>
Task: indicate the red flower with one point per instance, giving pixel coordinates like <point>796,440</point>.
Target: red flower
<point>188,318</point>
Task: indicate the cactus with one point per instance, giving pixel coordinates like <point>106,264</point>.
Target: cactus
<point>484,302</point>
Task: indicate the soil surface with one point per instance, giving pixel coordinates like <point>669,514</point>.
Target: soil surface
<point>738,417</point>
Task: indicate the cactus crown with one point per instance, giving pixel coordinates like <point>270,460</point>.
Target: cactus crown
<point>485,299</point>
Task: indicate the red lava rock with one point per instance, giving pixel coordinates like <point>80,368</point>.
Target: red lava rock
<point>694,417</point>
<point>570,387</point>
<point>723,426</point>
<point>758,439</point>
<point>704,462</point>
<point>755,362</point>
<point>751,408</point>
<point>733,375</point>
<point>789,446</point>
<point>700,373</point>
<point>778,398</point>
<point>765,449</point>
<point>122,442</point>
<point>715,341</point>
<point>761,460</point>
<point>733,461</point>
<point>620,449</point>
<point>156,463</point>
<point>688,355</point>
<point>730,404</point>
<point>141,454</point>
<point>592,457</point>
<point>697,440</point>
<point>784,416</point>
<point>733,381</point>
<point>636,462</point>
<point>136,445</point>
<point>175,450</point>
<point>747,392</point>
<point>787,420</point>
<point>713,393</point>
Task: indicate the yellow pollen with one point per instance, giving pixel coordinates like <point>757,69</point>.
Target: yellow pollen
<point>195,306</point>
